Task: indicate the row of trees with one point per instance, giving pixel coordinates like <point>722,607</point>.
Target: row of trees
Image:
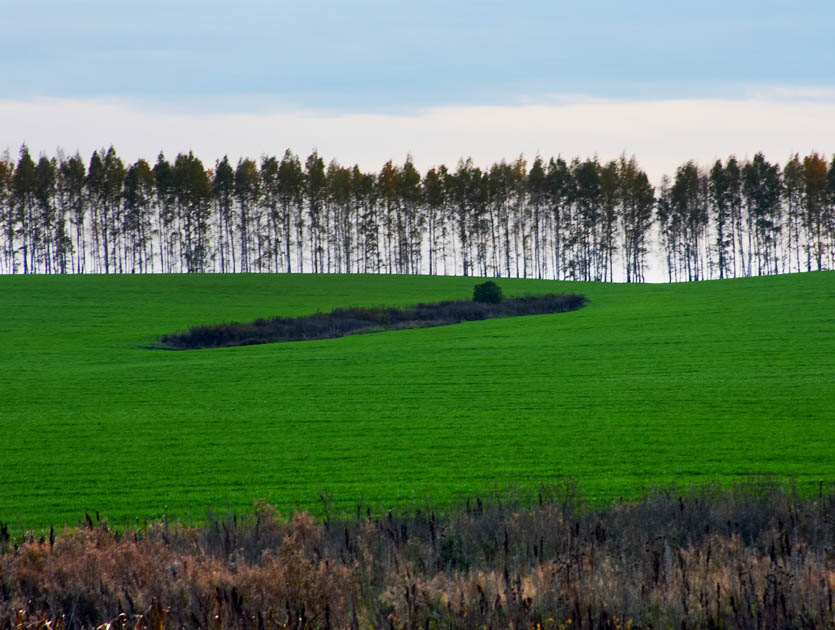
<point>579,220</point>
<point>752,218</point>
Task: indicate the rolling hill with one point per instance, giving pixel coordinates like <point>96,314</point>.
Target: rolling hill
<point>648,384</point>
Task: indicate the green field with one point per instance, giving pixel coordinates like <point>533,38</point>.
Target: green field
<point>648,384</point>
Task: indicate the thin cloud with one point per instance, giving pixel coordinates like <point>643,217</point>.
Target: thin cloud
<point>662,134</point>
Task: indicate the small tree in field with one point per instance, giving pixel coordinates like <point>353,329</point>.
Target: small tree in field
<point>488,292</point>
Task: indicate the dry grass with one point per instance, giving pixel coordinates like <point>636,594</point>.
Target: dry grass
<point>754,556</point>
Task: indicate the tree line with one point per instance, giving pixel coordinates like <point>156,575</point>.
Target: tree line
<point>581,219</point>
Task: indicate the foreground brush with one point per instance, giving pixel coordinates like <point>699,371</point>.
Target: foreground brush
<point>752,555</point>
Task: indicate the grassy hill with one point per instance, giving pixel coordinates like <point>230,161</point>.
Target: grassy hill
<point>647,384</point>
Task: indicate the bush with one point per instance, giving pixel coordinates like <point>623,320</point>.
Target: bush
<point>487,293</point>
<point>487,303</point>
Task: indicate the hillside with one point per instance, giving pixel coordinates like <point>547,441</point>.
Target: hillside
<point>647,384</point>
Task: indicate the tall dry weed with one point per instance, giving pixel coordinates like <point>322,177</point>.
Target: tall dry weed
<point>752,556</point>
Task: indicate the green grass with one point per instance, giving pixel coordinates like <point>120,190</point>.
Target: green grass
<point>652,384</point>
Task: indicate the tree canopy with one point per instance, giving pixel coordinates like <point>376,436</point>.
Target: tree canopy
<point>577,219</point>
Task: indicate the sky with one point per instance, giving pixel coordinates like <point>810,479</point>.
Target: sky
<point>366,81</point>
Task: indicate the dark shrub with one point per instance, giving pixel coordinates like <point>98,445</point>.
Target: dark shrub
<point>487,293</point>
<point>344,321</point>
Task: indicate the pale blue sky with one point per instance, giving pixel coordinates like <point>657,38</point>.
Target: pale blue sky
<point>377,56</point>
<point>365,81</point>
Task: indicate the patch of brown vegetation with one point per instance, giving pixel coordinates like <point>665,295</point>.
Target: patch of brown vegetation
<point>750,557</point>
